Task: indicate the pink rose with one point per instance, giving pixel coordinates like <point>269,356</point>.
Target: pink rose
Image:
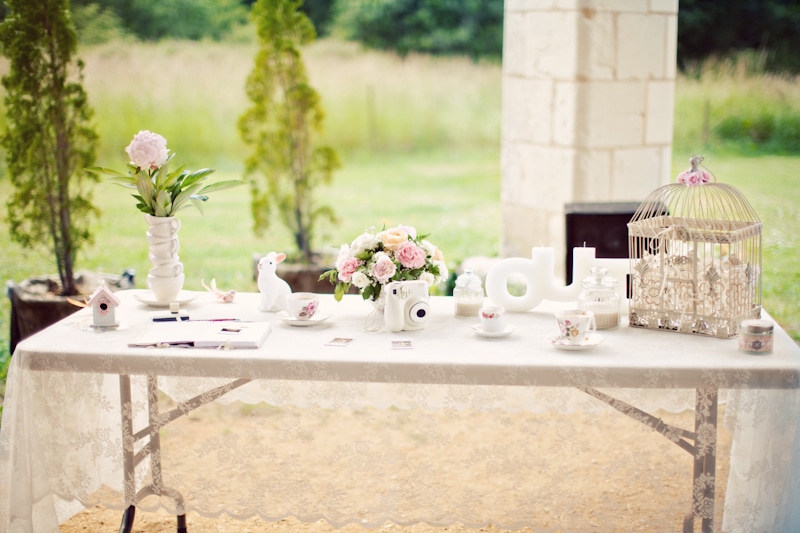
<point>383,268</point>
<point>694,177</point>
<point>410,255</point>
<point>348,268</point>
<point>148,150</point>
<point>410,230</point>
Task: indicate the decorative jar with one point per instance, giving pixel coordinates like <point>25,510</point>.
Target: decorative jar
<point>599,295</point>
<point>755,336</point>
<point>468,294</point>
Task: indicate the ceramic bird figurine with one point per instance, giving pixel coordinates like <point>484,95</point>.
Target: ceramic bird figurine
<point>224,296</point>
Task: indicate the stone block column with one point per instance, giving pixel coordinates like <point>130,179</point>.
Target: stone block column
<point>588,99</point>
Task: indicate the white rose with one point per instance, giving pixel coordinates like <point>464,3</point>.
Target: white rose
<point>433,251</point>
<point>428,278</point>
<point>443,272</point>
<point>365,241</point>
<point>359,279</point>
<point>148,150</point>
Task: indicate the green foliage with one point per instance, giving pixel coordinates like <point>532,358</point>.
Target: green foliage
<point>171,19</point>
<point>441,27</point>
<point>761,131</point>
<point>97,24</point>
<point>733,103</point>
<point>48,136</point>
<point>721,28</point>
<point>162,193</point>
<point>286,166</point>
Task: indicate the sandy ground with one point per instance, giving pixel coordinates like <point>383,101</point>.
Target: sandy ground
<point>643,508</point>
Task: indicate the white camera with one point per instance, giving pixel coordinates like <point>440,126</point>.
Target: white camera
<point>407,305</point>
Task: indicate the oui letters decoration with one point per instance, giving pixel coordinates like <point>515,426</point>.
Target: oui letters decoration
<point>695,252</point>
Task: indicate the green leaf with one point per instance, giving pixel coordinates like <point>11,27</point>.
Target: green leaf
<point>107,171</point>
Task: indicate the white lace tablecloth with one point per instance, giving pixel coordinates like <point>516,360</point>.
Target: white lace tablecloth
<point>457,428</point>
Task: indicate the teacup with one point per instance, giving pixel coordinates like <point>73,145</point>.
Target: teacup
<point>493,319</point>
<point>165,248</point>
<point>163,227</point>
<point>575,325</point>
<point>167,271</point>
<point>302,305</point>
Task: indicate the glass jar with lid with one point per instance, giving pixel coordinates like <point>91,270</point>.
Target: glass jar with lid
<point>599,295</point>
<point>468,294</point>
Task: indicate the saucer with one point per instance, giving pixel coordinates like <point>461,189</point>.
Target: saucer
<point>318,318</point>
<point>479,331</point>
<point>593,340</point>
<point>148,298</point>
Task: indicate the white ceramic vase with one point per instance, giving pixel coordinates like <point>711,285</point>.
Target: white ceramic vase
<point>166,277</point>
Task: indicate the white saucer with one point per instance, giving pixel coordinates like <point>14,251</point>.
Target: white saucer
<point>593,340</point>
<point>148,298</point>
<point>479,331</point>
<point>318,318</point>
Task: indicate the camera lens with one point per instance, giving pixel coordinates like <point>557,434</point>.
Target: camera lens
<point>418,312</point>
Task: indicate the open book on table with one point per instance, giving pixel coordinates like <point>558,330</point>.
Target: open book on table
<point>204,334</point>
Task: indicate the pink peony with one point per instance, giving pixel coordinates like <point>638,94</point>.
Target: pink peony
<point>147,150</point>
<point>348,268</point>
<point>383,268</point>
<point>410,255</point>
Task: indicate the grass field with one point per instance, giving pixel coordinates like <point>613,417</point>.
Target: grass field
<point>419,139</point>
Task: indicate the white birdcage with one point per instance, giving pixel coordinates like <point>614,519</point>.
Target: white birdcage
<point>695,250</point>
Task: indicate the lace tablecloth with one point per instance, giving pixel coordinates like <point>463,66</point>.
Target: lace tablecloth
<point>455,428</point>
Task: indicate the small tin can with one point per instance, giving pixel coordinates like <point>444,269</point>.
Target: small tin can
<point>755,336</point>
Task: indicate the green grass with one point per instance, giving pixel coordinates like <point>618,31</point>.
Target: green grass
<point>419,138</point>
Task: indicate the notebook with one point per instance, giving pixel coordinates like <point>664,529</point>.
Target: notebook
<point>204,334</point>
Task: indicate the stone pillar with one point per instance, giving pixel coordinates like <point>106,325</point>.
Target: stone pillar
<point>588,98</point>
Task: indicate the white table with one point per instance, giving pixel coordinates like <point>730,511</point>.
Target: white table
<point>83,420</point>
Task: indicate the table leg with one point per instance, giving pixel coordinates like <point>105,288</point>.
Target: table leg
<point>705,462</point>
<point>127,520</point>
<point>152,449</point>
<point>704,449</point>
<point>128,455</point>
<point>128,460</point>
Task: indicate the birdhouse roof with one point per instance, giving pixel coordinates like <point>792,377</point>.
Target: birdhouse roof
<point>103,291</point>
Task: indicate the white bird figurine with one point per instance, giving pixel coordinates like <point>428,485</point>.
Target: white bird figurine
<point>224,296</point>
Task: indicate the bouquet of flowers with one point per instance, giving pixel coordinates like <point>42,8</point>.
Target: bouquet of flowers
<point>374,259</point>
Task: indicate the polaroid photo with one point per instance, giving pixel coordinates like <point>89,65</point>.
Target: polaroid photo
<point>402,345</point>
<point>339,341</point>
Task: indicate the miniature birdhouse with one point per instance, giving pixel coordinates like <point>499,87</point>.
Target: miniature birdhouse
<point>104,304</point>
<point>695,251</point>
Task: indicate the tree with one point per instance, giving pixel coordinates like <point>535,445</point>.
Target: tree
<point>719,28</point>
<point>48,136</point>
<point>285,167</point>
<point>441,27</point>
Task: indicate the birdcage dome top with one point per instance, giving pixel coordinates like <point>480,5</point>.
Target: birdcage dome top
<point>697,208</point>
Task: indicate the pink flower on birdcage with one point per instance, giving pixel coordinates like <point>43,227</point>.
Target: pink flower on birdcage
<point>694,177</point>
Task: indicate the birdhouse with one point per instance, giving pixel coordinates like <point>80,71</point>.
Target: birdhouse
<point>695,252</point>
<point>104,304</point>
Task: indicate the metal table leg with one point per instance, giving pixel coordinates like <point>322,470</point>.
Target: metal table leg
<point>152,449</point>
<point>704,449</point>
<point>705,460</point>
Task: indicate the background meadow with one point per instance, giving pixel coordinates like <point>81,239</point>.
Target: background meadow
<point>419,139</point>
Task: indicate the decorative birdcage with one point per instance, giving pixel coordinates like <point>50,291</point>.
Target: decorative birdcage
<point>695,249</point>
